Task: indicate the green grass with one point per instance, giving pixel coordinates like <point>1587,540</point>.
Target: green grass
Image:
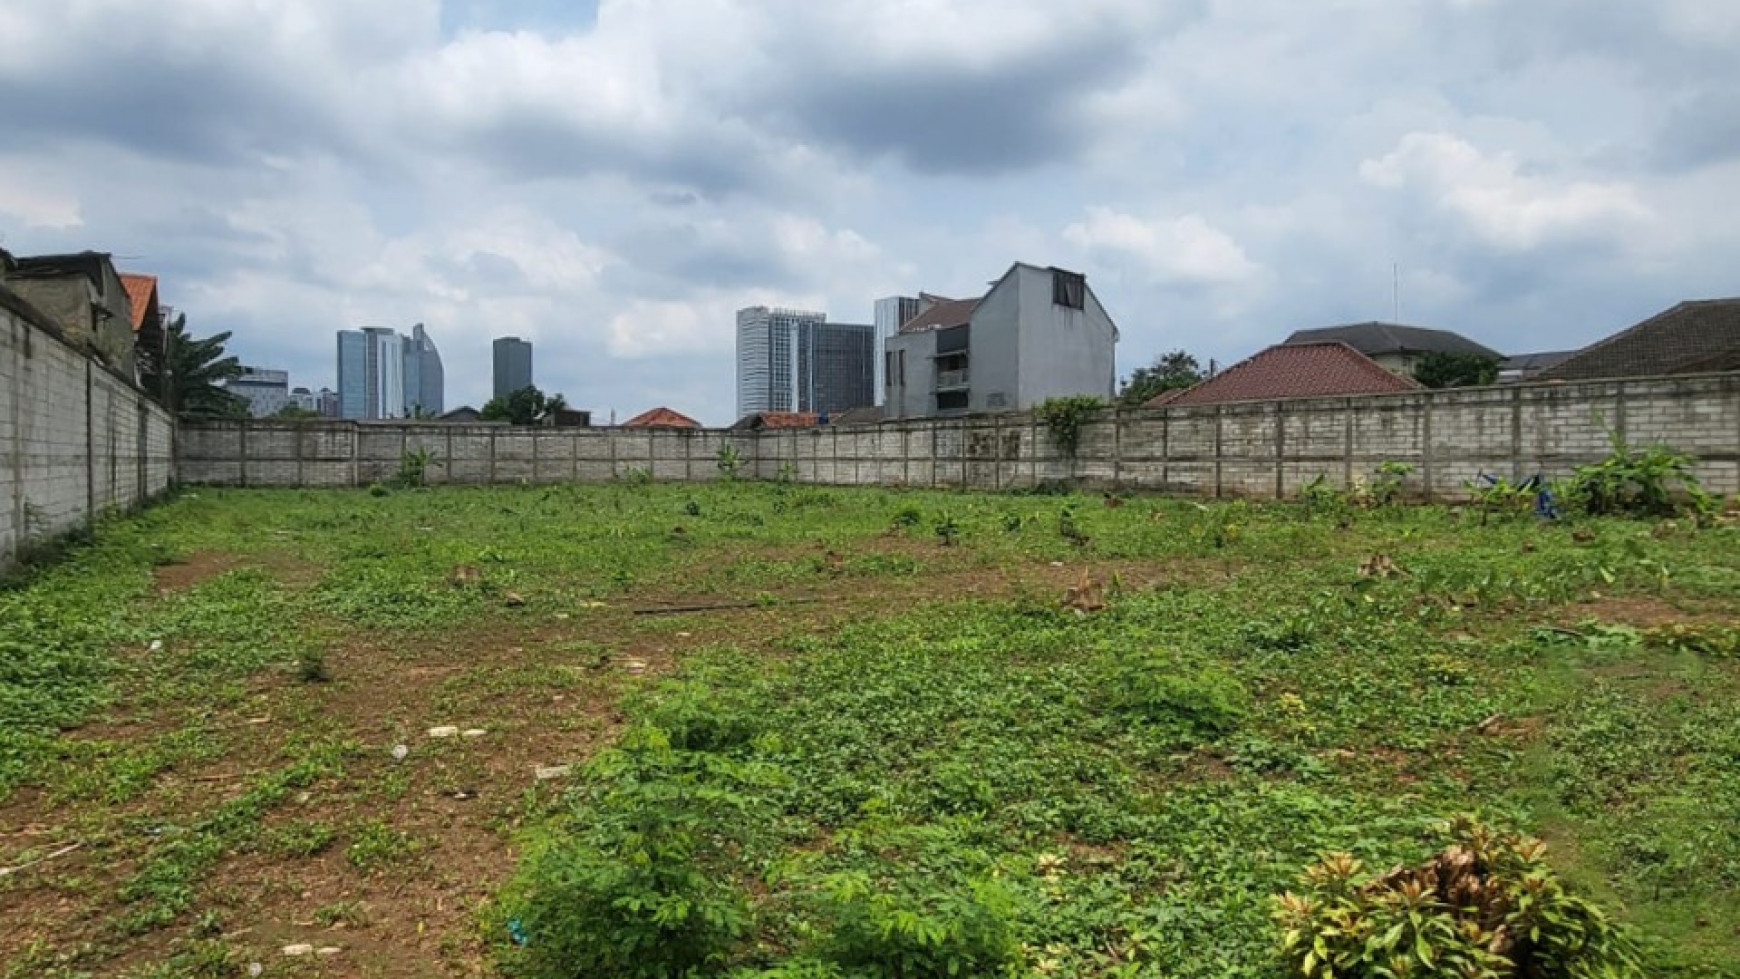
<point>960,766</point>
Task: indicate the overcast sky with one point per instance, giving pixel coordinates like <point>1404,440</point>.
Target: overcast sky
<point>612,180</point>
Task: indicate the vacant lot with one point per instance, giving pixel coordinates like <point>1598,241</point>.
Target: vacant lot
<point>246,720</point>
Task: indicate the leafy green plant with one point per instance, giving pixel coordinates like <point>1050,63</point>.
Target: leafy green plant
<point>1486,907</point>
<point>907,518</point>
<point>729,461</point>
<point>374,845</point>
<point>894,932</point>
<point>413,468</point>
<point>1386,484</point>
<point>947,530</point>
<point>311,665</point>
<point>639,888</point>
<point>1063,419</point>
<point>1498,496</point>
<point>1652,481</point>
<point>637,476</point>
<point>1205,701</point>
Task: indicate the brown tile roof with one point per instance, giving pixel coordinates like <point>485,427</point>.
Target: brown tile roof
<point>1375,339</point>
<point>141,289</point>
<point>949,312</point>
<point>661,417</point>
<point>1689,338</point>
<point>778,419</point>
<point>1292,370</point>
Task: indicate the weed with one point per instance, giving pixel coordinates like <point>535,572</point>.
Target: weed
<point>1654,481</point>
<point>1064,417</point>
<point>947,530</point>
<point>311,665</point>
<point>301,840</point>
<point>374,845</point>
<point>729,461</point>
<point>413,468</point>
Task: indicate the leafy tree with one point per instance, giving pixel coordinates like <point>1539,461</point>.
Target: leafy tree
<point>187,381</point>
<point>1442,369</point>
<point>1169,371</point>
<point>294,412</point>
<point>523,407</point>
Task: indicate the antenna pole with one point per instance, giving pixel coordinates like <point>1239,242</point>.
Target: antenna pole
<point>1396,290</point>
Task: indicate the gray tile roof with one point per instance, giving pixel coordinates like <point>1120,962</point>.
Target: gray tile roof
<point>1376,339</point>
<point>1690,338</point>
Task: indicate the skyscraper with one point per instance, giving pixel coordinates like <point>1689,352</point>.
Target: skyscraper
<point>890,313</point>
<point>424,381</point>
<point>792,360</point>
<point>513,365</point>
<point>384,375</point>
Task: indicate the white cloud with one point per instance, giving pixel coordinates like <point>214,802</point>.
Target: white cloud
<point>38,204</point>
<point>1502,203</point>
<point>1185,250</point>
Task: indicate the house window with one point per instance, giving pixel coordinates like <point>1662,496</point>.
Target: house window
<point>951,401</point>
<point>1068,288</point>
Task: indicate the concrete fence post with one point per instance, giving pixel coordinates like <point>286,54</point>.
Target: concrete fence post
<point>1427,474</point>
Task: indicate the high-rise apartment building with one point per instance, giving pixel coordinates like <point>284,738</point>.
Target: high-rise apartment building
<point>384,375</point>
<point>424,380</point>
<point>513,365</point>
<point>890,313</point>
<point>266,391</point>
<point>792,360</point>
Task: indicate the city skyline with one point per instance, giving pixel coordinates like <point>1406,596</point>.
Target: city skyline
<point>611,183</point>
<point>797,360</point>
<point>383,374</point>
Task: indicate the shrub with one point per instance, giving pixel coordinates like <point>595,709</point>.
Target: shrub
<point>1207,701</point>
<point>413,468</point>
<point>638,886</point>
<point>730,461</point>
<point>894,932</point>
<point>311,666</point>
<point>1639,482</point>
<point>1486,907</point>
<point>1386,485</point>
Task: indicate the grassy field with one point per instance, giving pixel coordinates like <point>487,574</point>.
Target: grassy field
<point>249,720</point>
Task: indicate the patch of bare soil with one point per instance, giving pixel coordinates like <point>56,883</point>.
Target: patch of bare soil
<point>542,689</point>
<point>197,568</point>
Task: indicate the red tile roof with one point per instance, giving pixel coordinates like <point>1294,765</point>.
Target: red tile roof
<point>661,417</point>
<point>775,419</point>
<point>141,289</point>
<point>949,312</point>
<point>788,419</point>
<point>1293,370</point>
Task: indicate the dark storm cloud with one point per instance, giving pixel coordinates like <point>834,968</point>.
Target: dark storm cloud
<point>710,256</point>
<point>1702,132</point>
<point>953,118</point>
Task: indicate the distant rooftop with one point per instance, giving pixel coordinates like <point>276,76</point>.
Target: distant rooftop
<point>1376,339</point>
<point>1292,370</point>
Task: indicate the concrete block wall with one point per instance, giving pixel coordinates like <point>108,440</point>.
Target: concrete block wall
<point>1265,449</point>
<point>76,440</point>
<point>264,452</point>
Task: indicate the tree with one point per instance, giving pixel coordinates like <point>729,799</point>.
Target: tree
<point>1442,369</point>
<point>187,382</point>
<point>1169,371</point>
<point>523,407</point>
<point>295,412</point>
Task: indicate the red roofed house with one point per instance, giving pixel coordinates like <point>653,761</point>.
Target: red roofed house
<point>776,419</point>
<point>150,340</point>
<point>661,417</point>
<point>1322,369</point>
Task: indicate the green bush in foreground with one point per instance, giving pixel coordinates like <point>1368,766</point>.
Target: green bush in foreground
<point>1487,907</point>
<point>638,887</point>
